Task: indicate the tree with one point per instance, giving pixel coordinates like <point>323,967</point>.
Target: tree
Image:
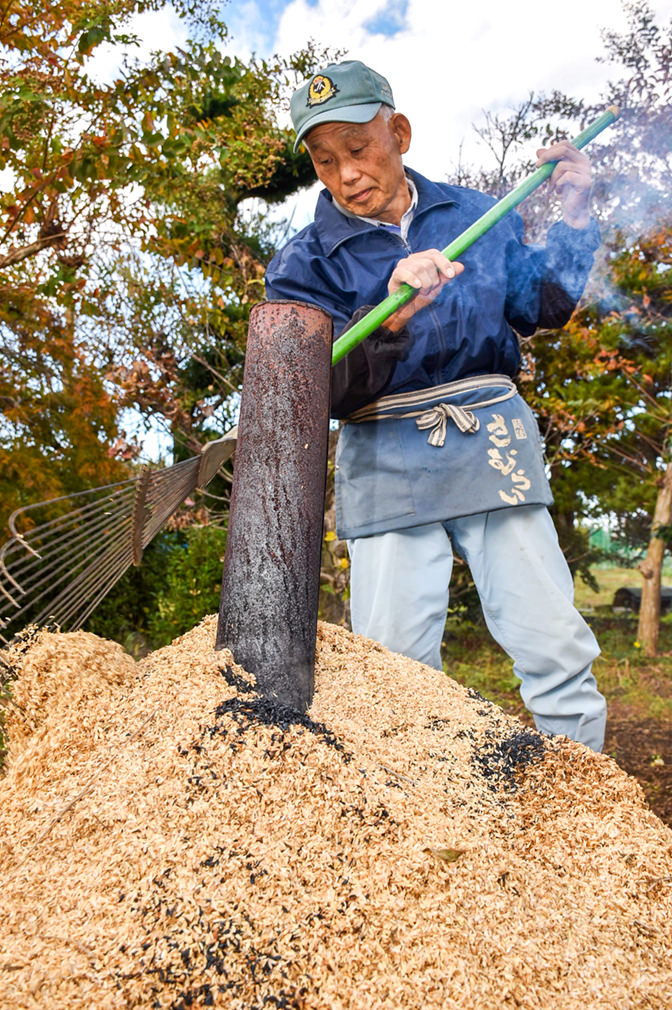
<point>125,268</point>
<point>601,386</point>
<point>628,307</point>
<point>632,372</point>
<point>62,140</point>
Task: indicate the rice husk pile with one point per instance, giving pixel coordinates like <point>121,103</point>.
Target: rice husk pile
<point>169,840</point>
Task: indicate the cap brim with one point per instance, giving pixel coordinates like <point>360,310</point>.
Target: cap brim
<point>348,114</point>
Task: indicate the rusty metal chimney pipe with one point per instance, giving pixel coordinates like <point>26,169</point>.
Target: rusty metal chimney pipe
<point>270,586</point>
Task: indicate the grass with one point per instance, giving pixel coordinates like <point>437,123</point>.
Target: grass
<point>628,677</point>
<point>609,580</point>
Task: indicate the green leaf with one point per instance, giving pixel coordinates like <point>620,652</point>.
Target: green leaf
<point>91,38</point>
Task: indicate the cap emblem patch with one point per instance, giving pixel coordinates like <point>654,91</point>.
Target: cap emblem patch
<point>321,90</point>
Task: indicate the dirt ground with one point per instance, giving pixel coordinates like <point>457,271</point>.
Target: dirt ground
<point>639,741</point>
<point>644,750</point>
<point>638,737</point>
<point>638,693</point>
<point>640,744</point>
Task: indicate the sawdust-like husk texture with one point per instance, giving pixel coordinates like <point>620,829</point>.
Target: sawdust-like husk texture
<point>168,840</point>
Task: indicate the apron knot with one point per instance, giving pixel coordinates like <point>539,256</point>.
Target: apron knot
<point>436,419</point>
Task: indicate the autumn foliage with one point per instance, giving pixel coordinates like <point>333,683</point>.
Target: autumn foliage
<point>125,272</point>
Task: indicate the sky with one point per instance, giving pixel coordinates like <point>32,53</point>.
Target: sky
<point>447,62</point>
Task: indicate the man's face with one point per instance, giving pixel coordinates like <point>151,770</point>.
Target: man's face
<point>360,164</point>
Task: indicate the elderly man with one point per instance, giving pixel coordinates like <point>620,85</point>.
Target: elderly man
<point>438,451</point>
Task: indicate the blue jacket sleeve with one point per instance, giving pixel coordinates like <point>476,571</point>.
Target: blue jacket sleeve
<point>546,282</point>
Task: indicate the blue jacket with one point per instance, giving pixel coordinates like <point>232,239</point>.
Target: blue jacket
<point>341,264</point>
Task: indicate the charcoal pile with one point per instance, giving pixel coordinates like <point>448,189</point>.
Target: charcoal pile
<point>170,840</point>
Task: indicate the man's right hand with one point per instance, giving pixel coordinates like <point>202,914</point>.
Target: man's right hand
<point>427,272</point>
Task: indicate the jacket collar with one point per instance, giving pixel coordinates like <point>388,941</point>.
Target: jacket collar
<point>334,228</point>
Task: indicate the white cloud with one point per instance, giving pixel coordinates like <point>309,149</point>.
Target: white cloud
<point>451,60</point>
<point>156,31</point>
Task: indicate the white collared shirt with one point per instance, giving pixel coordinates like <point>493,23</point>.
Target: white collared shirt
<point>398,229</point>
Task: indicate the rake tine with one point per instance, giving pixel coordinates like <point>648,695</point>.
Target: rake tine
<point>46,586</point>
<point>71,561</point>
<point>72,558</point>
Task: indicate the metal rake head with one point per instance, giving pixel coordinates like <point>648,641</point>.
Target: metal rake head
<point>66,554</point>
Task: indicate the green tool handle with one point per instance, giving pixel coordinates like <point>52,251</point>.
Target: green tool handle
<point>377,316</point>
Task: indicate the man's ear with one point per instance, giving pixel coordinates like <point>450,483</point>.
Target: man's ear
<point>401,128</point>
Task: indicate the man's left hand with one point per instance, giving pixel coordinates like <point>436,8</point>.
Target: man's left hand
<point>571,179</point>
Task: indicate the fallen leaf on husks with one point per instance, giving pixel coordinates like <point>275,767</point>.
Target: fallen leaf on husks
<point>446,855</point>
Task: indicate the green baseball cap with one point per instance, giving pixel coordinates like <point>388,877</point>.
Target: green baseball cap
<point>348,92</point>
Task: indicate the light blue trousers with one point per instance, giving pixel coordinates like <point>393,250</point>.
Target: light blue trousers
<point>399,597</point>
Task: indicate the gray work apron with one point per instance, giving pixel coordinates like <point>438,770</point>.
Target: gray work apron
<point>455,450</point>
